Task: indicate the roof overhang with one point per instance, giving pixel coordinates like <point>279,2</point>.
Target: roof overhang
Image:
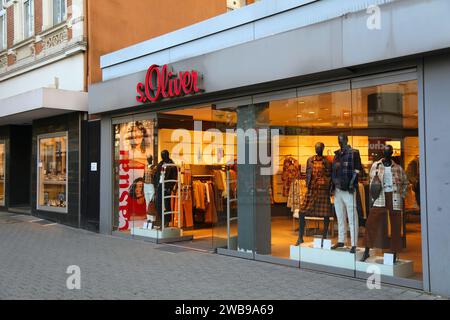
<point>41,103</point>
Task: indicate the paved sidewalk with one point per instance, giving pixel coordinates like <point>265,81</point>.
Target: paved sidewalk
<point>34,259</point>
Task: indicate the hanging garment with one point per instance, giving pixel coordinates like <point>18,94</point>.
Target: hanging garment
<point>295,196</point>
<point>186,214</point>
<point>362,200</point>
<point>210,212</point>
<point>218,198</point>
<point>317,201</point>
<point>290,172</point>
<point>413,173</point>
<point>219,180</point>
<point>199,195</point>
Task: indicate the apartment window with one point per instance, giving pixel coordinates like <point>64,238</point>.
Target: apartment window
<point>59,11</point>
<point>28,27</point>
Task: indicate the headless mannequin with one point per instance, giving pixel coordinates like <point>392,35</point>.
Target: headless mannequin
<point>343,143</point>
<point>387,162</point>
<point>165,156</point>
<point>326,222</point>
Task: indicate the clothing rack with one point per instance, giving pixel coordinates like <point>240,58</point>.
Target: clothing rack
<point>164,197</point>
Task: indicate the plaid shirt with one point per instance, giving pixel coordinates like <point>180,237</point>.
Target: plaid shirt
<point>400,184</point>
<point>345,163</point>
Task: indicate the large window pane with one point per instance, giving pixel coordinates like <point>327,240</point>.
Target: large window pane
<point>52,172</point>
<point>392,216</point>
<point>133,162</point>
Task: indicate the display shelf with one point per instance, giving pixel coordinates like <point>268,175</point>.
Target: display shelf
<point>51,182</point>
<point>402,268</point>
<point>157,234</point>
<point>339,258</point>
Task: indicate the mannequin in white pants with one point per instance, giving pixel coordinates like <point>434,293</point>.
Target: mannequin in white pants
<point>346,167</point>
<point>345,205</point>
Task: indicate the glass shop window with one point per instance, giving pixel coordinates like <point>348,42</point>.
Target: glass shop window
<point>52,173</point>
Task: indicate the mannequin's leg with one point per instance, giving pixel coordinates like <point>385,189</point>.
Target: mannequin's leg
<point>301,229</point>
<point>326,224</point>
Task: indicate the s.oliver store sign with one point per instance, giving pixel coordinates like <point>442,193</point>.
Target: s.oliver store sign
<point>162,83</point>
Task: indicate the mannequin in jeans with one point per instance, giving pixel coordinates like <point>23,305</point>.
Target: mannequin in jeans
<point>318,207</point>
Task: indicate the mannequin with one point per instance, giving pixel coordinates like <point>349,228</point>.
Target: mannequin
<point>317,201</point>
<point>149,188</point>
<point>390,202</point>
<point>345,170</point>
<point>171,173</point>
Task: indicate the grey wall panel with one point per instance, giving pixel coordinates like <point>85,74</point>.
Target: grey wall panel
<point>423,177</point>
<point>330,45</point>
<point>437,117</point>
<point>106,163</point>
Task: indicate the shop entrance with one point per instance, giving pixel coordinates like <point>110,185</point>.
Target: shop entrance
<point>171,176</point>
<point>19,168</point>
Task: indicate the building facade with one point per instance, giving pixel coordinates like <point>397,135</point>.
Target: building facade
<point>263,112</point>
<point>46,65</point>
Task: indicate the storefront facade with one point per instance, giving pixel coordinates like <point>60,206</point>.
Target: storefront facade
<point>260,129</point>
<point>40,152</point>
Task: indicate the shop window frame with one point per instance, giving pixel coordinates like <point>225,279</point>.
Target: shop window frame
<point>39,207</point>
<point>3,202</point>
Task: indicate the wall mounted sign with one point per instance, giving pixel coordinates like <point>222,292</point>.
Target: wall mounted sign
<point>162,83</point>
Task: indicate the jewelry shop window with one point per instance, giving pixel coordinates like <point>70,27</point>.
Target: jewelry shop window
<point>52,172</point>
<point>2,172</point>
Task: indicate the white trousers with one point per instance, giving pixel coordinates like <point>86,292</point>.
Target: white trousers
<point>149,192</point>
<point>345,205</point>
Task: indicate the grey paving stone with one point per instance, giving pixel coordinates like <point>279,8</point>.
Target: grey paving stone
<point>35,259</point>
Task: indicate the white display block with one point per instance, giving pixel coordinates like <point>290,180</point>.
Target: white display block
<point>317,243</point>
<point>339,258</point>
<point>327,244</point>
<point>157,234</point>
<point>295,253</point>
<point>401,269</point>
<point>388,259</point>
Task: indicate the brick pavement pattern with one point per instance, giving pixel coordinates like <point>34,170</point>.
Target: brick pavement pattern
<point>34,259</point>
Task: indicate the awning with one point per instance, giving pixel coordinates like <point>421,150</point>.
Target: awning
<point>41,103</point>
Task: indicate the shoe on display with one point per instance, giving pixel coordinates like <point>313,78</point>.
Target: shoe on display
<point>353,249</point>
<point>337,245</point>
<point>299,241</point>
<point>366,255</point>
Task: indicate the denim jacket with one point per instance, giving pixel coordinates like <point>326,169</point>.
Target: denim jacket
<point>345,163</point>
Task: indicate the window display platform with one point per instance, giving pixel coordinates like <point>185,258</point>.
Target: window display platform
<point>160,236</point>
<point>339,258</point>
<point>402,268</point>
